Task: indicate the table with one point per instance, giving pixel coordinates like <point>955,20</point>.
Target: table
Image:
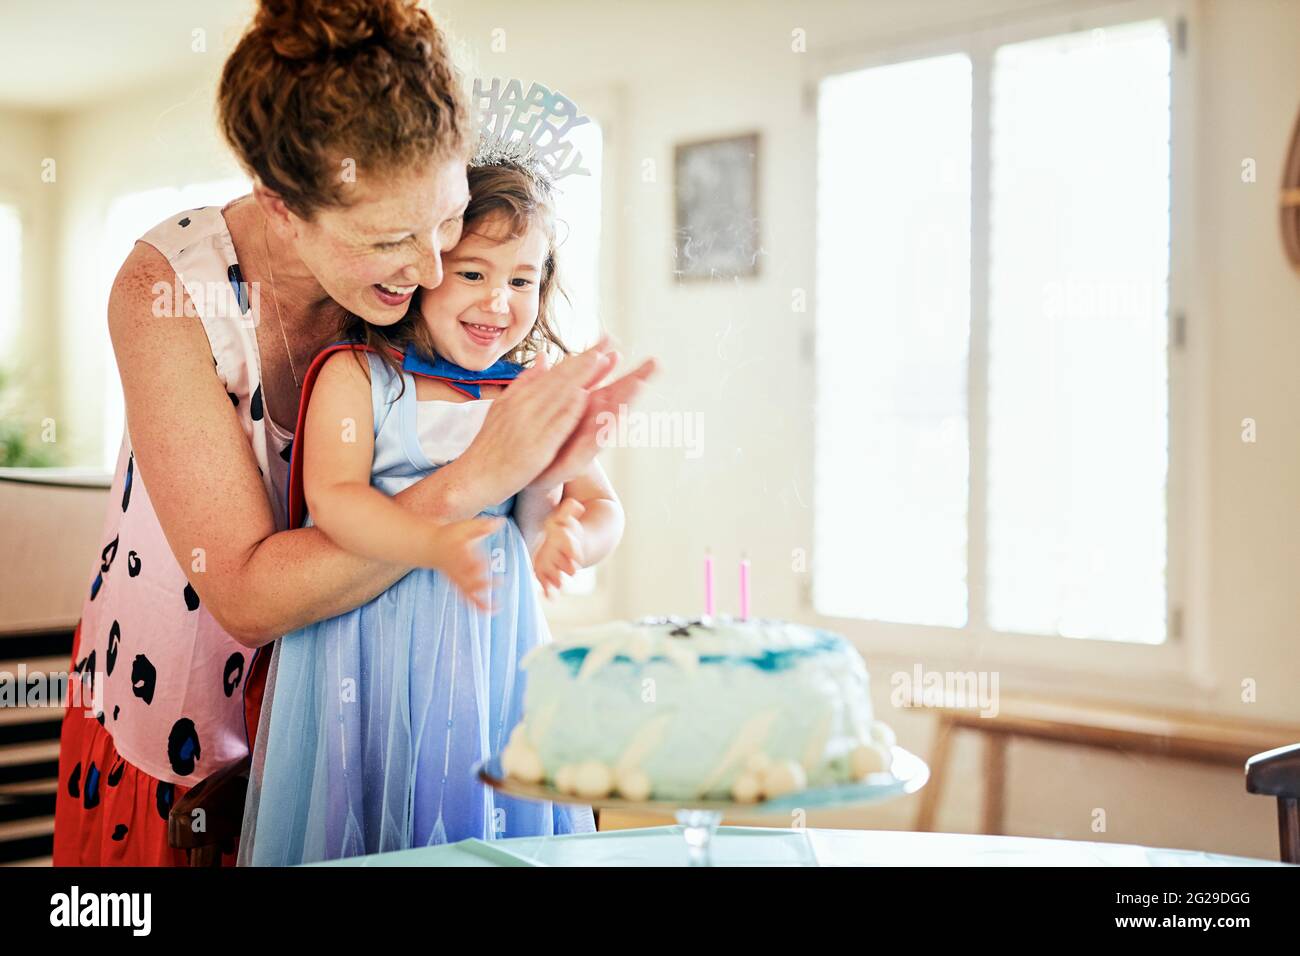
<point>770,846</point>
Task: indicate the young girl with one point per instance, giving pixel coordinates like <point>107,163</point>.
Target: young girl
<point>378,716</point>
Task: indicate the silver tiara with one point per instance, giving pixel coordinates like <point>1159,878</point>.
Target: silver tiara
<point>527,130</point>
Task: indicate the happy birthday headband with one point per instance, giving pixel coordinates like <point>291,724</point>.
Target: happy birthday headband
<point>527,130</point>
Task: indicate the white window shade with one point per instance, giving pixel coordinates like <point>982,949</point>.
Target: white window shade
<point>577,228</point>
<point>893,321</point>
<point>578,218</point>
<point>1078,377</point>
<point>11,276</point>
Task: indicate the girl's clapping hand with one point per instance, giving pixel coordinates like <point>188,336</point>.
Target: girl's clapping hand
<point>456,550</point>
<point>560,551</point>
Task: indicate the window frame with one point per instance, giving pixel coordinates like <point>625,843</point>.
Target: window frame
<point>605,105</point>
<point>1181,661</point>
<point>15,346</point>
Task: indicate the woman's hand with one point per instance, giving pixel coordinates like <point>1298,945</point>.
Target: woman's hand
<point>545,428</point>
<point>456,550</point>
<point>526,426</point>
<point>605,406</point>
<point>561,548</point>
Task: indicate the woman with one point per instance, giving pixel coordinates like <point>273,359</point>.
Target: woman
<point>349,118</point>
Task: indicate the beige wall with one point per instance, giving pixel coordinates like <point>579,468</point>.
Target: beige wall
<point>675,72</point>
<point>1250,95</point>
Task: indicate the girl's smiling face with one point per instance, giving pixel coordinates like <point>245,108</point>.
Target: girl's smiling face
<point>488,299</point>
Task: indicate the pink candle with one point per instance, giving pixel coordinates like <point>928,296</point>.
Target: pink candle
<point>744,589</point>
<point>708,584</point>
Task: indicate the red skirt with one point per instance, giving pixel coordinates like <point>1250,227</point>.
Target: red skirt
<point>108,812</point>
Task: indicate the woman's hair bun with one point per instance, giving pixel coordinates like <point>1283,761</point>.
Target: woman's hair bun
<point>312,81</point>
<point>311,29</point>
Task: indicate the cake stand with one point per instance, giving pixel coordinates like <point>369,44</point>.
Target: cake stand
<point>699,818</point>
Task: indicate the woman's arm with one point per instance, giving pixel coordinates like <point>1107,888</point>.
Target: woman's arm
<point>533,506</point>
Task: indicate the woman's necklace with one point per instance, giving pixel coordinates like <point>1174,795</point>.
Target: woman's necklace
<point>279,318</point>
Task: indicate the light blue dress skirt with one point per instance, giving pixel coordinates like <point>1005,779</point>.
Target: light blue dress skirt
<point>374,719</point>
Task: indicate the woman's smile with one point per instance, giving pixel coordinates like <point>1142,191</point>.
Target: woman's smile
<point>394,295</point>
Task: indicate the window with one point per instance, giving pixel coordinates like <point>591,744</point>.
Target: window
<point>11,278</point>
<point>577,233</point>
<point>1077,370</point>
<point>893,318</point>
<point>577,228</point>
<point>129,217</point>
<point>993,455</point>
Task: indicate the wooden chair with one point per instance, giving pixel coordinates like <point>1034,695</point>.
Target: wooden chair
<point>207,820</point>
<point>1276,773</point>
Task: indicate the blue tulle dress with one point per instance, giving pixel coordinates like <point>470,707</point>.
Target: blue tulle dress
<point>374,719</point>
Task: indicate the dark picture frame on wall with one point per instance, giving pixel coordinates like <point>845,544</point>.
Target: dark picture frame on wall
<point>715,195</point>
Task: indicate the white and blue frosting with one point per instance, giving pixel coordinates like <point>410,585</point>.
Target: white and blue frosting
<point>689,706</point>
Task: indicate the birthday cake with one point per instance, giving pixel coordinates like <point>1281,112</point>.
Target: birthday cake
<point>711,708</point>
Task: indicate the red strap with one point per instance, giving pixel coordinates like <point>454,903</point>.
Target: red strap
<point>297,504</point>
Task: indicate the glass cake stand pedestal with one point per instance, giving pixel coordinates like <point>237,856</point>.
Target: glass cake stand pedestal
<point>699,819</point>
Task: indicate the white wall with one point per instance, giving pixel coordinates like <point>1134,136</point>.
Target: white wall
<point>676,72</point>
<point>1251,93</point>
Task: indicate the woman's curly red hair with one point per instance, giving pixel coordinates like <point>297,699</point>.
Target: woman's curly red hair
<point>313,84</point>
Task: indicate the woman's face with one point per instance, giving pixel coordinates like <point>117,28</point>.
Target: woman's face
<point>489,300</point>
<point>372,255</point>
